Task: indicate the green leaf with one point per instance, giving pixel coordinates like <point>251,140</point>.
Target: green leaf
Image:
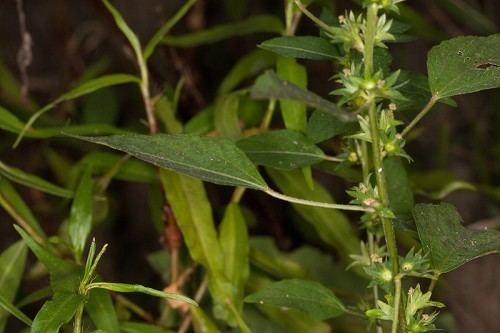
<point>212,159</point>
<point>308,296</point>
<point>469,15</point>
<point>102,312</point>
<point>202,123</point>
<point>136,327</point>
<point>449,243</point>
<point>249,65</point>
<point>21,177</point>
<point>464,65</point>
<point>12,262</point>
<point>56,312</point>
<point>226,118</point>
<point>137,288</point>
<point>80,219</point>
<point>259,23</point>
<point>401,199</point>
<point>301,47</point>
<point>269,86</point>
<point>7,306</point>
<point>234,244</point>
<point>294,112</point>
<point>323,126</point>
<point>282,149</point>
<point>12,202</point>
<point>331,225</point>
<point>124,28</point>
<point>202,323</point>
<point>83,89</point>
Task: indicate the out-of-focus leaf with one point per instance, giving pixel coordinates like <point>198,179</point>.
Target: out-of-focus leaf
<point>235,248</point>
<point>202,123</point>
<point>469,15</point>
<point>100,107</point>
<point>259,323</point>
<point>420,26</point>
<point>215,160</point>
<point>294,112</point>
<point>449,188</point>
<point>100,308</point>
<point>137,327</point>
<point>202,323</point>
<point>165,110</point>
<point>83,89</point>
<point>80,219</point>
<point>449,243</point>
<point>21,177</point>
<point>226,118</point>
<point>464,65</point>
<point>282,149</point>
<point>8,307</point>
<point>301,47</point>
<point>137,288</point>
<point>56,312</point>
<point>323,126</point>
<point>269,86</point>
<point>401,199</point>
<point>249,65</point>
<point>12,262</point>
<point>259,23</point>
<point>12,202</point>
<point>308,296</point>
<point>332,226</point>
<point>35,296</point>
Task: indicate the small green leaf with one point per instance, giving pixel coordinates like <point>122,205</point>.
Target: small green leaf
<point>269,86</point>
<point>202,123</point>
<point>212,159</point>
<point>308,296</point>
<point>259,23</point>
<point>234,243</point>
<point>301,47</point>
<point>100,308</point>
<point>7,306</point>
<point>80,219</point>
<point>12,262</point>
<point>226,118</point>
<point>249,65</point>
<point>283,149</point>
<point>449,243</point>
<point>136,327</point>
<point>464,65</point>
<point>137,288</point>
<point>56,312</point>
<point>21,177</point>
<point>124,28</point>
<point>323,126</point>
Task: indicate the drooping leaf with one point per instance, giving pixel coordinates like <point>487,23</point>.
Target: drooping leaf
<point>12,202</point>
<point>293,112</point>
<point>269,86</point>
<point>249,65</point>
<point>100,308</point>
<point>21,177</point>
<point>449,243</point>
<point>56,312</point>
<point>331,225</point>
<point>12,262</point>
<point>235,248</point>
<point>226,118</point>
<point>301,47</point>
<point>464,65</point>
<point>80,219</point>
<point>137,327</point>
<point>259,23</point>
<point>215,160</point>
<point>323,126</point>
<point>282,149</point>
<point>308,296</point>
<point>137,288</point>
<point>8,307</point>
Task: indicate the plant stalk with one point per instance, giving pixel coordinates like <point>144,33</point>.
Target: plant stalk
<point>397,300</point>
<point>77,327</point>
<point>371,30</point>
<point>420,115</point>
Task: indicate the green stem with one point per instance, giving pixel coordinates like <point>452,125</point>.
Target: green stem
<point>78,327</point>
<point>311,16</point>
<point>420,115</point>
<point>371,30</point>
<point>397,300</point>
<point>315,203</point>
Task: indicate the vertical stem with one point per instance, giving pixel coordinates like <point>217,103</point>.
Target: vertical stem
<point>371,30</point>
<point>397,299</point>
<point>77,327</point>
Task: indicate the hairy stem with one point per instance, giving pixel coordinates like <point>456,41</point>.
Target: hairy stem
<point>371,30</point>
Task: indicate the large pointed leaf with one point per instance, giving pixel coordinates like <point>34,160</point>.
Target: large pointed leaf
<point>283,149</point>
<point>12,262</point>
<point>301,47</point>
<point>212,159</point>
<point>56,312</point>
<point>269,86</point>
<point>449,243</point>
<point>464,65</point>
<point>308,296</point>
